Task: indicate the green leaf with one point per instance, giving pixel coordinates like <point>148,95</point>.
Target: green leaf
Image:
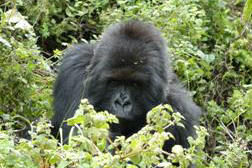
<point>75,120</point>
<point>136,159</point>
<point>131,166</point>
<point>247,11</point>
<point>62,164</point>
<point>177,149</point>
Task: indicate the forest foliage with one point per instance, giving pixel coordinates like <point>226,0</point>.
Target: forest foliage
<point>210,43</point>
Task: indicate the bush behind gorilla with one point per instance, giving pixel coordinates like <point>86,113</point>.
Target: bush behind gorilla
<point>127,73</point>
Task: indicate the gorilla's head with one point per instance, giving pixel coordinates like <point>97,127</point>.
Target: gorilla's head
<point>128,73</point>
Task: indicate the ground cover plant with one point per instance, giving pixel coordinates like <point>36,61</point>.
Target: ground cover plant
<point>210,43</point>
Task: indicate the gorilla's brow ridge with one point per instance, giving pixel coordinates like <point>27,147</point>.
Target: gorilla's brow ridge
<point>126,74</point>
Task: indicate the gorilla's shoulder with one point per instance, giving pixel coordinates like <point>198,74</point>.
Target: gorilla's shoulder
<point>82,48</point>
<point>77,55</point>
<point>182,102</point>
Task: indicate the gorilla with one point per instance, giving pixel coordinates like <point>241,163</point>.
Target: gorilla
<point>127,73</point>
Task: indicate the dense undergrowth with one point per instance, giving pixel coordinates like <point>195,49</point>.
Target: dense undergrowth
<point>210,43</point>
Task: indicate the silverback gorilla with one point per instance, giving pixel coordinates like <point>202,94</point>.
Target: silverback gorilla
<point>126,73</point>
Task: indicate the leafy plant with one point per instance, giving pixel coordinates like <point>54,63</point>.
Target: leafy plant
<point>87,148</point>
<point>24,78</point>
<point>247,11</point>
<point>210,48</point>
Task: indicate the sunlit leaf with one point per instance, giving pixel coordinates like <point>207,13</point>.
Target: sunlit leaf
<point>247,11</point>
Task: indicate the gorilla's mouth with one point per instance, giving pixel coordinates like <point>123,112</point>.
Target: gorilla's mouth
<point>126,127</point>
<point>128,114</point>
<point>123,110</point>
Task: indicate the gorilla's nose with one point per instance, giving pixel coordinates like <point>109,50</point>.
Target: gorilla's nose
<point>122,101</point>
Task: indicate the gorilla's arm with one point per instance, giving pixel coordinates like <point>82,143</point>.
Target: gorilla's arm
<point>68,88</point>
<point>181,102</point>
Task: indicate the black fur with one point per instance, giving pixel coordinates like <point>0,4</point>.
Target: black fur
<point>127,73</point>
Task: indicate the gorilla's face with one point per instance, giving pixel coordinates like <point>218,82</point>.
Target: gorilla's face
<point>126,94</point>
<point>129,93</point>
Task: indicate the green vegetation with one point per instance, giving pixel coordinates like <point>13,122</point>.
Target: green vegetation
<point>211,46</point>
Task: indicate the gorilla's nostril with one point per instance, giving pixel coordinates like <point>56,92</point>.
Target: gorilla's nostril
<point>127,103</point>
<point>117,102</point>
<point>127,106</point>
<point>122,103</point>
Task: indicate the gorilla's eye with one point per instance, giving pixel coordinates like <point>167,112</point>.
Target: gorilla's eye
<point>136,84</point>
<point>112,82</point>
